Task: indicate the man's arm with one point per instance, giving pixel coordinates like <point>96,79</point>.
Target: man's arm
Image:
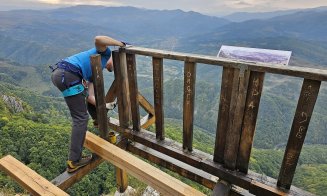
<point>101,42</point>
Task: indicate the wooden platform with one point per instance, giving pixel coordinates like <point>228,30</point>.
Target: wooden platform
<point>159,180</point>
<point>28,178</point>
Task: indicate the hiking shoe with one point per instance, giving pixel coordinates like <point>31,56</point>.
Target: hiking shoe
<point>75,165</point>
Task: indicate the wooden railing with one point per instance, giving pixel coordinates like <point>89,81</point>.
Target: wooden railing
<point>241,88</point>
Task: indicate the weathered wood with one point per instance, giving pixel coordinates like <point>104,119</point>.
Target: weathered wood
<point>222,188</point>
<point>188,104</point>
<point>97,77</point>
<point>112,92</point>
<point>133,90</point>
<point>250,119</point>
<point>145,104</point>
<point>305,106</point>
<point>223,114</point>
<point>235,118</point>
<point>302,72</point>
<point>66,180</point>
<point>172,164</point>
<point>157,64</point>
<point>27,178</point>
<point>143,171</point>
<point>120,68</point>
<point>196,159</point>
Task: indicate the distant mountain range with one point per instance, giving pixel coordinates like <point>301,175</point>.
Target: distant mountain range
<point>42,37</point>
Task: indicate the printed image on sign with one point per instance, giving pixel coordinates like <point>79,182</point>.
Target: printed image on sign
<point>255,55</point>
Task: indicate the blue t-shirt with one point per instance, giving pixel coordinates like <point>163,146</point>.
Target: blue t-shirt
<point>82,60</point>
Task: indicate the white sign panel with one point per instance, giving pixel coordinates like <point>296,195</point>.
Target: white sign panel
<point>255,54</point>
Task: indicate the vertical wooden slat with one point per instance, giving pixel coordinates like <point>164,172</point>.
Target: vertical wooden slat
<point>224,104</point>
<point>120,67</point>
<point>235,119</point>
<point>133,90</point>
<point>97,76</point>
<point>158,96</point>
<point>305,106</point>
<point>188,104</point>
<point>250,119</point>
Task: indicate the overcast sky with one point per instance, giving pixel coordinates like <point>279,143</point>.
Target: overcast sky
<point>210,7</point>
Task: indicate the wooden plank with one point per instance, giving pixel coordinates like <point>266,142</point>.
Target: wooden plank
<point>120,68</point>
<point>112,92</point>
<point>223,114</point>
<point>302,72</point>
<point>157,64</point>
<point>188,104</point>
<point>66,180</point>
<point>305,106</point>
<point>97,77</point>
<point>196,159</point>
<point>143,171</point>
<point>133,90</point>
<point>172,164</point>
<point>235,118</point>
<point>145,104</point>
<point>250,119</point>
<point>27,178</point>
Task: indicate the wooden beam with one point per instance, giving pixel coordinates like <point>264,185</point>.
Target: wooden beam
<point>235,118</point>
<point>147,121</point>
<point>174,165</point>
<point>223,114</point>
<point>66,180</point>
<point>157,64</point>
<point>120,68</point>
<point>97,77</point>
<point>143,171</point>
<point>133,90</point>
<point>250,118</point>
<point>145,104</point>
<point>305,106</point>
<point>112,92</point>
<point>196,159</point>
<point>28,178</point>
<point>302,72</point>
<point>188,104</point>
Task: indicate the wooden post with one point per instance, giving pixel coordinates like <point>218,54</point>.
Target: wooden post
<point>97,77</point>
<point>120,67</point>
<point>224,104</point>
<point>188,104</point>
<point>112,92</point>
<point>158,96</point>
<point>133,89</point>
<point>235,118</point>
<point>250,119</point>
<point>306,103</point>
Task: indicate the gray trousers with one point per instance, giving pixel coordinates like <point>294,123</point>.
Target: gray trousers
<point>78,111</point>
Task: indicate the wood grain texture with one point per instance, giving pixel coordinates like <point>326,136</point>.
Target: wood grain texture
<point>98,82</point>
<point>157,64</point>
<point>143,171</point>
<point>223,114</point>
<point>188,104</point>
<point>235,118</point>
<point>250,118</point>
<point>28,178</point>
<point>133,90</point>
<point>303,113</point>
<point>112,92</point>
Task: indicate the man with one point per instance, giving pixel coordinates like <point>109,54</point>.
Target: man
<point>70,76</point>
